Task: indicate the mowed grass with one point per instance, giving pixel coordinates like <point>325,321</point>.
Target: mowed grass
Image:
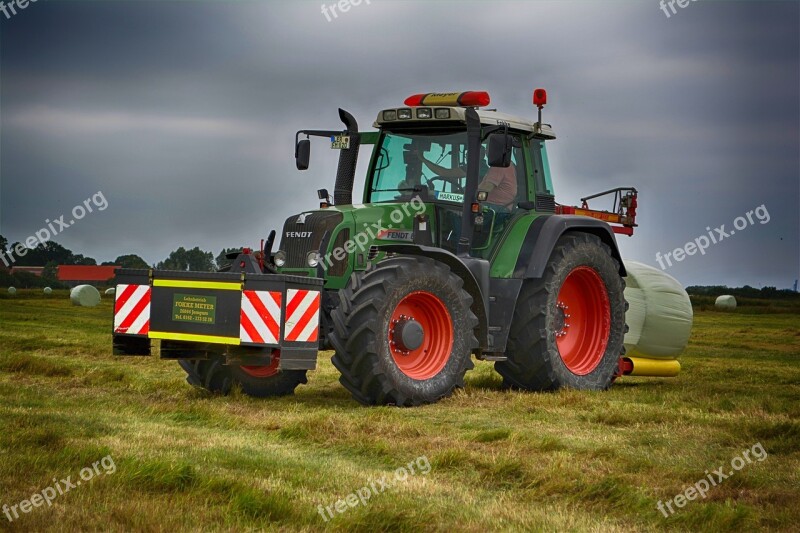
<point>499,460</point>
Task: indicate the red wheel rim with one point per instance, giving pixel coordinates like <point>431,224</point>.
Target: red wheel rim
<point>264,371</point>
<point>583,320</point>
<point>431,314</point>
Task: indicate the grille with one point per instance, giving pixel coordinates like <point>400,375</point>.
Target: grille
<point>309,235</point>
<point>338,268</point>
<point>545,202</point>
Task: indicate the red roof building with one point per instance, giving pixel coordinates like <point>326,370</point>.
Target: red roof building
<point>85,274</point>
<point>36,271</point>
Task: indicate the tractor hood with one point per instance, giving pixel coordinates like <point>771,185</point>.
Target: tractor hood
<point>342,235</point>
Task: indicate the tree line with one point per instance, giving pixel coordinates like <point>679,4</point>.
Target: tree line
<point>51,254</point>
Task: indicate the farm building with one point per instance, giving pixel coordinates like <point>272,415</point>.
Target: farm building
<point>36,271</point>
<point>74,275</point>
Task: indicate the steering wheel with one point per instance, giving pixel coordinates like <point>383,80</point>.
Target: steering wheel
<point>454,183</point>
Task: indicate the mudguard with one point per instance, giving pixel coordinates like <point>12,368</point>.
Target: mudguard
<point>545,231</point>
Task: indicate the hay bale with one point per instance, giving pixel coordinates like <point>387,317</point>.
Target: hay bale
<point>111,292</point>
<point>47,291</point>
<point>85,296</point>
<point>726,302</point>
<point>12,291</point>
<point>659,316</point>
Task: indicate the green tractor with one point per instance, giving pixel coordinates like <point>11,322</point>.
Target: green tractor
<point>457,249</point>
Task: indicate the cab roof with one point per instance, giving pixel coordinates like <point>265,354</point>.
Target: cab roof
<point>457,115</point>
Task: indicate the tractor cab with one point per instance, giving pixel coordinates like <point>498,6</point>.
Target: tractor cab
<point>422,151</point>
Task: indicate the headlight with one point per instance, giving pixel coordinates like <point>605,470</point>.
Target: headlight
<point>424,112</point>
<point>443,113</point>
<point>390,115</point>
<point>313,259</point>
<point>280,258</point>
<point>404,114</point>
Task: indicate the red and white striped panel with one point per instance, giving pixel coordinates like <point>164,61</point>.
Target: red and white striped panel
<point>132,310</point>
<point>302,315</point>
<point>260,321</point>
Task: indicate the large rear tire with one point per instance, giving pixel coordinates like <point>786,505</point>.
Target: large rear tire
<point>568,326</point>
<point>215,376</point>
<point>403,333</point>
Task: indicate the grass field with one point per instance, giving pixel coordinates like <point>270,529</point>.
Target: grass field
<point>496,460</point>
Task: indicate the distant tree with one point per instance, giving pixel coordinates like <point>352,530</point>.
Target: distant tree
<point>50,271</point>
<point>45,253</point>
<point>3,244</point>
<point>183,259</point>
<point>130,261</point>
<point>81,260</point>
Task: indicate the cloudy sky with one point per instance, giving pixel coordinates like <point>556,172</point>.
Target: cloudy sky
<point>183,113</point>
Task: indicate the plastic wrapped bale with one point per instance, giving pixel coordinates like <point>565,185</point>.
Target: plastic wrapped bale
<point>726,302</point>
<point>47,291</point>
<point>111,292</point>
<point>85,296</point>
<point>12,291</point>
<point>659,316</point>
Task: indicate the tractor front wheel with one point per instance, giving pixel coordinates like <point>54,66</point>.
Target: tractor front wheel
<point>403,332</point>
<point>264,381</point>
<point>568,326</point>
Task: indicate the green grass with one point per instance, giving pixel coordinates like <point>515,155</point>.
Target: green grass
<point>577,461</point>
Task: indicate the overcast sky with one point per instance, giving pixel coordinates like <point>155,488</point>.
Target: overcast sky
<point>183,113</point>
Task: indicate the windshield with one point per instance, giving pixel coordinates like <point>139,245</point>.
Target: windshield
<point>409,163</point>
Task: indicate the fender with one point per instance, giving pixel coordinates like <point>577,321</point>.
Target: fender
<point>474,272</point>
<point>545,231</point>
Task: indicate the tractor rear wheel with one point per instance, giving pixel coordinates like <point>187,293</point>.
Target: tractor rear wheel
<point>568,326</point>
<point>265,381</point>
<point>403,332</point>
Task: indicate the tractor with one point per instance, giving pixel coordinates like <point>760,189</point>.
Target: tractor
<point>457,249</point>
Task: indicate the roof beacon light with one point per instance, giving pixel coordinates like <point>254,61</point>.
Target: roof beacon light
<point>467,99</point>
<point>540,100</point>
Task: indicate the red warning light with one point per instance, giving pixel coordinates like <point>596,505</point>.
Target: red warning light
<point>466,99</point>
<point>539,98</point>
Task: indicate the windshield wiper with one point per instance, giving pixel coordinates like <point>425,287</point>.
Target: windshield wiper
<point>412,189</point>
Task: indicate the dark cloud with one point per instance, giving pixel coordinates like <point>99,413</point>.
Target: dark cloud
<point>183,113</point>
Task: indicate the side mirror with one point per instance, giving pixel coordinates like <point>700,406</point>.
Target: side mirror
<point>499,150</point>
<point>302,154</point>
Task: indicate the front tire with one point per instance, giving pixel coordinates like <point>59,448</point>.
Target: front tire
<point>568,326</point>
<point>215,376</point>
<point>403,332</point>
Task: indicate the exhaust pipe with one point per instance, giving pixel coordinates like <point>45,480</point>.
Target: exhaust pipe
<point>346,172</point>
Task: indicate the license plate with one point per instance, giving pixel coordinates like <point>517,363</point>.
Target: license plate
<point>340,142</point>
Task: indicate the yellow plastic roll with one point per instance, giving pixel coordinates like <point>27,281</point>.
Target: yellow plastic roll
<point>661,368</point>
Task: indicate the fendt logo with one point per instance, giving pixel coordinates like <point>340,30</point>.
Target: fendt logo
<point>298,234</point>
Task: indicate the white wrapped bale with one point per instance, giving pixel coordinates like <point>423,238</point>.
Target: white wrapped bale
<point>660,314</point>
<point>12,291</point>
<point>111,292</point>
<point>85,296</point>
<point>726,302</point>
<point>47,291</point>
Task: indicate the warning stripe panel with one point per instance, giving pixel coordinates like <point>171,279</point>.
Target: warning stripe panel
<point>302,315</point>
<point>260,317</point>
<point>132,310</point>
